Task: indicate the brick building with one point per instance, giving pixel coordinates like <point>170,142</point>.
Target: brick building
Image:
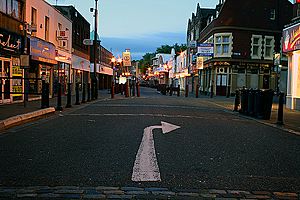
<point>245,36</point>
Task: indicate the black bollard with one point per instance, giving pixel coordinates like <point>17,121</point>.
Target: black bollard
<point>197,90</point>
<point>138,89</point>
<point>69,96</point>
<point>237,100</point>
<point>88,92</point>
<point>171,90</point>
<point>186,90</point>
<point>178,90</point>
<point>43,104</point>
<point>59,107</point>
<point>77,94</point>
<point>83,93</point>
<point>112,90</point>
<point>127,89</point>
<point>92,90</point>
<point>133,88</point>
<point>280,109</point>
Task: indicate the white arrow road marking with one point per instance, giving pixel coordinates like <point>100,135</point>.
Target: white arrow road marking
<point>145,166</point>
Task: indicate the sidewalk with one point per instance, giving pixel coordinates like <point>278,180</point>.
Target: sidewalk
<point>15,113</point>
<point>291,118</point>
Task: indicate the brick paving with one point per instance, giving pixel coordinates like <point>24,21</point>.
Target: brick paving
<point>71,192</point>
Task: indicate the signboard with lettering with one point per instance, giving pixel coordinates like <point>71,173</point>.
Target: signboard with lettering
<point>200,61</point>
<point>62,35</point>
<point>42,51</point>
<point>10,42</point>
<point>291,38</point>
<point>126,59</point>
<point>206,50</point>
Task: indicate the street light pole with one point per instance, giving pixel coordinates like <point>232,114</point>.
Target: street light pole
<point>95,51</point>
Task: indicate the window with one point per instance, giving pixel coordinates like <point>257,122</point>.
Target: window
<point>223,44</point>
<point>47,28</point>
<point>3,6</point>
<point>272,14</point>
<point>33,19</point>
<point>269,47</point>
<point>256,51</point>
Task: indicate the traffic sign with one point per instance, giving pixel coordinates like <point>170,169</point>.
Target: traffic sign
<point>88,42</point>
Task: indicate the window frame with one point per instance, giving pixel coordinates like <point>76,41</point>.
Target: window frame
<point>271,45</point>
<point>222,44</point>
<point>259,46</point>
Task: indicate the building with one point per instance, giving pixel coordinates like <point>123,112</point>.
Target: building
<point>245,37</point>
<point>12,43</point>
<point>50,46</point>
<point>80,51</point>
<point>291,46</point>
<point>104,69</point>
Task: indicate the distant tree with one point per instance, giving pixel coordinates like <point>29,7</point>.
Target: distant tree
<point>146,61</point>
<point>179,48</point>
<point>164,49</point>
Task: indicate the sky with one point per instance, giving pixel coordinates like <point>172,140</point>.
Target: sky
<point>140,25</point>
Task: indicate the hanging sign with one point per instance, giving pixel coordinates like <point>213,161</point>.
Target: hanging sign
<point>126,59</point>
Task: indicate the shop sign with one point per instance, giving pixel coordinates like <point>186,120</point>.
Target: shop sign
<point>291,38</point>
<point>62,35</point>
<point>63,56</point>
<point>200,61</point>
<point>126,59</point>
<point>80,63</point>
<point>10,42</point>
<point>42,51</point>
<point>206,50</point>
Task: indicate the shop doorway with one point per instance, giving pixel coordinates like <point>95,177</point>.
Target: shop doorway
<point>221,84</point>
<point>5,66</point>
<point>266,82</point>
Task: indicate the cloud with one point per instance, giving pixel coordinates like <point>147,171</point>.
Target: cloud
<point>142,44</point>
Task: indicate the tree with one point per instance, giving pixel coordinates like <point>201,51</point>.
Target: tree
<point>146,61</point>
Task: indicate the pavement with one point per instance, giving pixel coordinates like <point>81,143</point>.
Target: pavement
<point>14,114</point>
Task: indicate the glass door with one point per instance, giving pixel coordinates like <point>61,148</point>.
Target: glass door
<point>5,86</point>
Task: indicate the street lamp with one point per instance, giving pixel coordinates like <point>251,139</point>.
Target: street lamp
<point>94,80</point>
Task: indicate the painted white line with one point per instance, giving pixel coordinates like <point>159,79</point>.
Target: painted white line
<point>145,165</point>
<point>136,115</point>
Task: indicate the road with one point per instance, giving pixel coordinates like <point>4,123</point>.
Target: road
<point>97,145</point>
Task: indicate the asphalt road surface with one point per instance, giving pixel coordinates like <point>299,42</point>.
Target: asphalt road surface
<point>97,145</point>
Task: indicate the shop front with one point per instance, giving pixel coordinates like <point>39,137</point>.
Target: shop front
<point>81,70</point>
<point>62,71</point>
<point>11,74</point>
<point>42,62</point>
<point>291,46</point>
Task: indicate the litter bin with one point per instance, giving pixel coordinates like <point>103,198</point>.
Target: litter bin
<point>266,101</point>
<point>250,107</point>
<point>244,101</point>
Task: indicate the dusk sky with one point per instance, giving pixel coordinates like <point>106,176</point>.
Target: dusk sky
<point>139,25</point>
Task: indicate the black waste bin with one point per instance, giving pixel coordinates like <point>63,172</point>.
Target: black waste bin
<point>250,107</point>
<point>257,108</point>
<point>264,105</point>
<point>244,101</point>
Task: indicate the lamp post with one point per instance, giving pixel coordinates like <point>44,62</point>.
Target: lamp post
<point>94,80</point>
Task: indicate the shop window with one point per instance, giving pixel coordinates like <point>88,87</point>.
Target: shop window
<point>256,50</point>
<point>223,44</point>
